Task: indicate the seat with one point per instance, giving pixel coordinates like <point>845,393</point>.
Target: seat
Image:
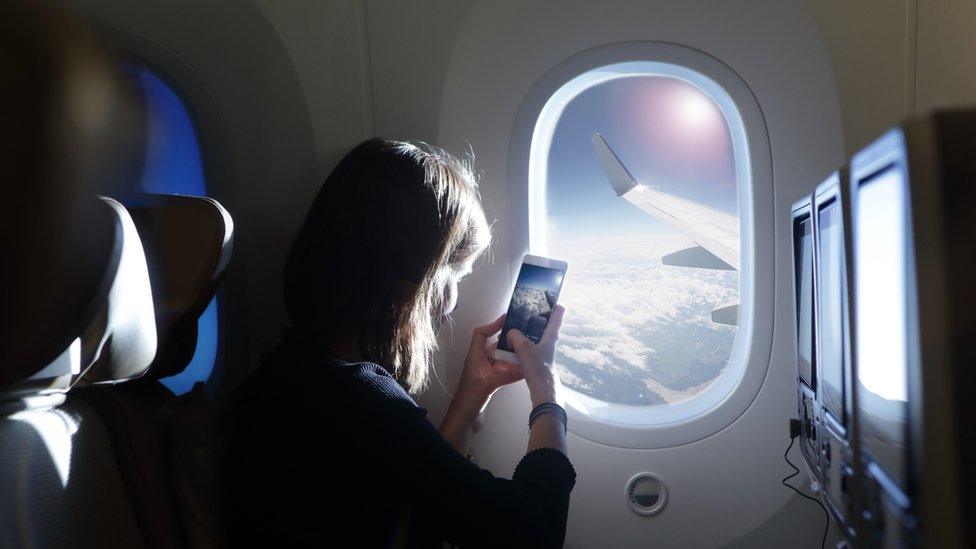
<point>74,284</point>
<point>57,471</point>
<point>65,133</point>
<point>44,344</point>
<point>189,241</point>
<point>165,445</point>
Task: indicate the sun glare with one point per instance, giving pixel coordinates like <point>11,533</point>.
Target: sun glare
<point>694,108</point>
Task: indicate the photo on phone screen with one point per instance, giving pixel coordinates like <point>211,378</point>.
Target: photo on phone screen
<point>536,291</point>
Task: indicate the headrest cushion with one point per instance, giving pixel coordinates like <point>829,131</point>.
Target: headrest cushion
<point>80,306</point>
<point>130,334</point>
<point>188,242</point>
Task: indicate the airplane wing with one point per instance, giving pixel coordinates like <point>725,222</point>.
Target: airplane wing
<point>715,232</point>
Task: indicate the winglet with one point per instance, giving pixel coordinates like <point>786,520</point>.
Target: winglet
<point>620,179</point>
<point>697,257</point>
<point>728,315</point>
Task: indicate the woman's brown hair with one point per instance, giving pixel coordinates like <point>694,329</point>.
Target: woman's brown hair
<point>374,254</point>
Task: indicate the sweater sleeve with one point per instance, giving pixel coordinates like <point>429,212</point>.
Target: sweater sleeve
<point>456,501</point>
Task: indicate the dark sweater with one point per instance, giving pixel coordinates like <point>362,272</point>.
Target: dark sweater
<point>325,450</point>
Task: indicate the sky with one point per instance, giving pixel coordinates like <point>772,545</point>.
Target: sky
<point>669,135</point>
<point>533,276</point>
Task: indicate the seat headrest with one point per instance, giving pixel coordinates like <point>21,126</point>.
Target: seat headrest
<point>68,130</point>
<point>130,341</point>
<point>82,303</point>
<point>188,242</point>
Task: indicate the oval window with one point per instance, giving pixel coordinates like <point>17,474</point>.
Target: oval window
<point>635,181</point>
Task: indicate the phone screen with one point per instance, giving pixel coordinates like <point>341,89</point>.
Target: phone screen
<point>536,291</point>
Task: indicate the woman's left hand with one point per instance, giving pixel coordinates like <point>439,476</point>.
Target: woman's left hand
<point>481,377</point>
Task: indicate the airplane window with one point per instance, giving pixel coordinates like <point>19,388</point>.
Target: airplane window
<point>639,194</point>
<point>173,165</point>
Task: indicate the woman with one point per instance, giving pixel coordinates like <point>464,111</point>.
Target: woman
<point>329,448</point>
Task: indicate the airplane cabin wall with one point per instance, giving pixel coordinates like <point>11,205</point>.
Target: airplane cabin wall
<point>870,48</point>
<point>946,59</point>
<point>725,489</point>
<point>327,45</point>
<point>897,59</point>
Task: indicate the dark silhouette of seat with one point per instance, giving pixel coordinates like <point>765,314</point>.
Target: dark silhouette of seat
<point>58,473</point>
<point>74,283</point>
<point>164,444</point>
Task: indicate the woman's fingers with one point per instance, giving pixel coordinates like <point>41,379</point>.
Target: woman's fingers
<point>498,364</point>
<point>516,340</point>
<point>481,334</point>
<point>552,329</point>
<point>523,347</point>
<point>494,326</point>
<point>503,378</point>
<point>534,368</point>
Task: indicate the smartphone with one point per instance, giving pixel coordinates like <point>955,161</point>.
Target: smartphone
<point>533,300</point>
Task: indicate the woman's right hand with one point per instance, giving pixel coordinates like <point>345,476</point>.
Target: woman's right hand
<point>536,360</point>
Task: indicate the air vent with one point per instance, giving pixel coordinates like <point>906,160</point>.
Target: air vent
<point>646,494</point>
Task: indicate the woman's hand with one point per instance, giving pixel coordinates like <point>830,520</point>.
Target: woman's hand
<point>536,359</point>
<point>481,377</point>
<point>536,363</point>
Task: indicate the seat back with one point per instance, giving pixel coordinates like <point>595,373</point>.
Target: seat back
<point>188,242</point>
<point>74,285</point>
<point>165,445</point>
<point>89,440</point>
<point>57,471</point>
<point>43,345</point>
<point>62,139</point>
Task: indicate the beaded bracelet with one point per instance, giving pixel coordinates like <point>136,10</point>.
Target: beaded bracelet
<point>548,408</point>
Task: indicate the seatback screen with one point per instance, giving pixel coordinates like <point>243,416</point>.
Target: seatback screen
<point>830,303</point>
<point>882,332</point>
<point>803,271</point>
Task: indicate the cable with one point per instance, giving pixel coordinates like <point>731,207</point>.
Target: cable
<point>786,456</point>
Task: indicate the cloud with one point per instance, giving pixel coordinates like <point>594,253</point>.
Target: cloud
<point>630,316</point>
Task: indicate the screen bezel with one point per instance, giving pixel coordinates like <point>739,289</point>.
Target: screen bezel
<point>890,153</point>
<point>828,192</point>
<point>803,211</point>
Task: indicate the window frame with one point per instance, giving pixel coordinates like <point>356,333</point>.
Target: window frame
<point>737,387</point>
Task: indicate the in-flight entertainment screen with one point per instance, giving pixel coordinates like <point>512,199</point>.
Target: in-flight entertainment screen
<point>830,303</point>
<point>803,271</point>
<point>880,251</point>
